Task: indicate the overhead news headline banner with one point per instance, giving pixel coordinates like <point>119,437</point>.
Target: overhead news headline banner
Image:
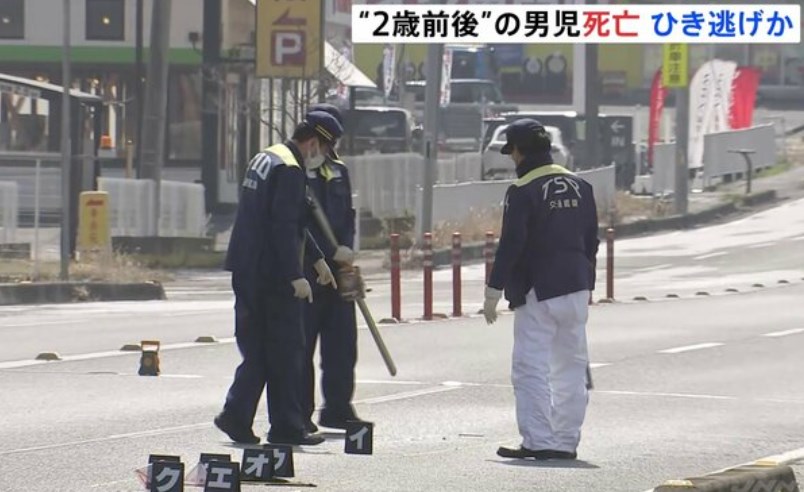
<point>573,24</point>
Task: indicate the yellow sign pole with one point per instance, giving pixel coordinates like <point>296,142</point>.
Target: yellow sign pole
<point>93,224</point>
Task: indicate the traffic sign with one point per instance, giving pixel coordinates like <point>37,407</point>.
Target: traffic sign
<point>290,41</point>
<point>93,221</point>
<point>675,66</point>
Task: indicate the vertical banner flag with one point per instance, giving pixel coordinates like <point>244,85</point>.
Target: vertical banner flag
<point>348,52</point>
<point>389,68</point>
<point>744,94</point>
<point>446,74</point>
<point>657,95</point>
<point>710,91</point>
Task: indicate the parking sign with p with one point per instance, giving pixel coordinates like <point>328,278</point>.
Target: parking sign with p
<point>289,39</point>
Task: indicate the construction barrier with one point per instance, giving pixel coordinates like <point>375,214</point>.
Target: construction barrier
<point>720,160</point>
<point>131,202</point>
<point>9,209</point>
<point>455,202</point>
<point>388,183</point>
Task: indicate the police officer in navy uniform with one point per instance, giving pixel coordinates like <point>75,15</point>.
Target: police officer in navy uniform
<point>330,317</point>
<point>266,255</point>
<point>545,264</point>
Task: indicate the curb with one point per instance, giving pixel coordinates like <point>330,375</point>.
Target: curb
<point>752,477</point>
<point>770,473</point>
<point>68,292</point>
<point>474,251</point>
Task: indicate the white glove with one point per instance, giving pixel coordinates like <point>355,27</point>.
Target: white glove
<point>302,290</point>
<point>344,255</point>
<point>490,305</point>
<point>325,275</point>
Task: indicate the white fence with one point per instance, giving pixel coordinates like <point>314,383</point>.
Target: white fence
<point>456,201</point>
<point>131,207</point>
<point>9,203</point>
<point>387,183</point>
<point>720,161</point>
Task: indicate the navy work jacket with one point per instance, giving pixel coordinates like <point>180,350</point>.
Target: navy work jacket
<point>549,237</point>
<point>330,186</point>
<point>270,241</point>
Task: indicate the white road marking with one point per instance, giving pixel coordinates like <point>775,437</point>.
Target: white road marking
<point>784,333</point>
<point>798,238</point>
<point>710,255</point>
<point>689,348</point>
<point>408,394</point>
<point>180,428</point>
<point>388,381</point>
<point>595,365</point>
<point>650,269</point>
<point>666,395</point>
<point>100,355</point>
<point>761,245</point>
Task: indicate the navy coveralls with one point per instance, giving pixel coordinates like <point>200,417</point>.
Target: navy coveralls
<point>329,316</point>
<point>264,256</point>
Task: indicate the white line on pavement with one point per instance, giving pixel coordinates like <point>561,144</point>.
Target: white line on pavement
<point>180,428</point>
<point>761,245</point>
<point>710,255</point>
<point>408,394</point>
<point>784,333</point>
<point>688,348</point>
<point>668,395</point>
<point>100,355</point>
<point>650,269</point>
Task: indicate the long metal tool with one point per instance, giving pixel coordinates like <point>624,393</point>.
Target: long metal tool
<point>318,213</point>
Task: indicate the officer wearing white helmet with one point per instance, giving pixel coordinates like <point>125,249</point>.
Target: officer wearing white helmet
<point>545,264</point>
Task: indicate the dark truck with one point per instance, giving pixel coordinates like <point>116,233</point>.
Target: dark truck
<point>380,129</point>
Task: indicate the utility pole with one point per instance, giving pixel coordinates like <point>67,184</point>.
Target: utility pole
<point>139,97</point>
<point>682,144</point>
<point>66,150</point>
<point>432,107</point>
<point>155,121</point>
<point>592,105</point>
<point>211,51</point>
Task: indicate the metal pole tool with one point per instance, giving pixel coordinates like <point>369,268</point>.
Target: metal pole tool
<point>322,221</point>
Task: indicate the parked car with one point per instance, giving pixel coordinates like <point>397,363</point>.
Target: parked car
<point>499,166</point>
<point>380,129</point>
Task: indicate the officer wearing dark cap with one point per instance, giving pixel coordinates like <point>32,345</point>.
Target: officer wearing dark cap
<point>331,318</point>
<point>266,256</point>
<point>545,263</point>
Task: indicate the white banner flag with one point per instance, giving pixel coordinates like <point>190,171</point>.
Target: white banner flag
<point>446,74</point>
<point>389,68</point>
<point>710,97</point>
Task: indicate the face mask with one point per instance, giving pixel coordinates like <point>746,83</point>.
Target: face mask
<point>315,160</point>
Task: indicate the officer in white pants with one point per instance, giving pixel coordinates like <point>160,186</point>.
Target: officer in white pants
<point>545,264</point>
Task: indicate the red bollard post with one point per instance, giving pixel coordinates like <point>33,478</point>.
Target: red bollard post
<point>427,263</point>
<point>610,264</point>
<point>456,274</point>
<point>396,295</point>
<point>488,253</point>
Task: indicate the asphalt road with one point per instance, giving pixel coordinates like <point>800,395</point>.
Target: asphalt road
<point>683,386</point>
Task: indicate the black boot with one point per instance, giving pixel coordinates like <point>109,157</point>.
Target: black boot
<point>236,431</point>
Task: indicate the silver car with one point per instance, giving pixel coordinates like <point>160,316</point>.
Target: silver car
<point>499,166</point>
